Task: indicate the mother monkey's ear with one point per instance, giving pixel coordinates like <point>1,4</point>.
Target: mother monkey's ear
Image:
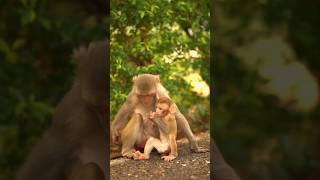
<point>157,77</point>
<point>161,91</point>
<point>134,78</point>
<point>92,72</point>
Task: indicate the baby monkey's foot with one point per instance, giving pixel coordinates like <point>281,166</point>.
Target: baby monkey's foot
<point>136,155</point>
<point>139,156</point>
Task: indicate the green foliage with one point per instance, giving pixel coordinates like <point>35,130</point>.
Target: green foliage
<point>144,37</point>
<point>36,41</point>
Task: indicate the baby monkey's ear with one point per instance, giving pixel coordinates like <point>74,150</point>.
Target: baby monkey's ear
<point>173,108</point>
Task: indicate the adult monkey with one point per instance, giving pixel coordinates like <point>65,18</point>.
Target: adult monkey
<point>75,146</point>
<point>220,169</point>
<point>128,126</point>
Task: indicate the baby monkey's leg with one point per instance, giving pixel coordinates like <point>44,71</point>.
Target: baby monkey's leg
<point>150,144</point>
<point>161,147</point>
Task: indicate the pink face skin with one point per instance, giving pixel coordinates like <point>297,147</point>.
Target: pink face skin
<point>147,99</point>
<point>162,109</point>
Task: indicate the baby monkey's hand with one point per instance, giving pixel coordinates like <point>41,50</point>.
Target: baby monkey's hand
<point>151,115</point>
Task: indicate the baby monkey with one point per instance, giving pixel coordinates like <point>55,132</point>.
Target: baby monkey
<point>165,120</point>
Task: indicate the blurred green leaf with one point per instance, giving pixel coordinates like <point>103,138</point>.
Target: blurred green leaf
<point>28,17</point>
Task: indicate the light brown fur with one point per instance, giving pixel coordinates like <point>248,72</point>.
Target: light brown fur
<point>166,122</point>
<point>130,129</point>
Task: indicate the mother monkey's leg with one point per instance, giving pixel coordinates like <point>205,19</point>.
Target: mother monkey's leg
<point>131,134</point>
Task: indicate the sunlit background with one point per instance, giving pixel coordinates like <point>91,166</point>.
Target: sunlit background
<point>266,110</point>
<point>167,38</point>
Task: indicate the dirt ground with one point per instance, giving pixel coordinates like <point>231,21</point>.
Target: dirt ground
<point>186,166</point>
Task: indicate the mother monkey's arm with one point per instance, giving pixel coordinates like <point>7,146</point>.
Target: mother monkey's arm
<point>122,117</point>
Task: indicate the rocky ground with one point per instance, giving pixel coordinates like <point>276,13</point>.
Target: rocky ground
<point>186,166</point>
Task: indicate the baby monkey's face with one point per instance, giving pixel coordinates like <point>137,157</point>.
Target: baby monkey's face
<point>162,109</point>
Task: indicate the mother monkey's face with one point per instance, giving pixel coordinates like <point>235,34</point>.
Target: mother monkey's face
<point>145,87</point>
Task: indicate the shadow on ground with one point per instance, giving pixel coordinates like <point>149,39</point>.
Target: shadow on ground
<point>186,166</point>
